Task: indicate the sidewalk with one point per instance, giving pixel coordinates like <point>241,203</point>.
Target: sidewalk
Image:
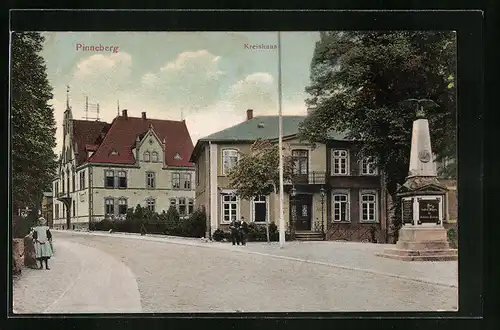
<point>81,279</point>
<point>346,255</point>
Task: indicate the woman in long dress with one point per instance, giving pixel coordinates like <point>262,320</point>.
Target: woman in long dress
<point>42,239</point>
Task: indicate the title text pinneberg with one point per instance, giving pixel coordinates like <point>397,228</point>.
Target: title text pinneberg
<point>99,48</point>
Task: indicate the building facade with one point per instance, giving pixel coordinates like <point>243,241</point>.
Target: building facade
<point>332,192</point>
<point>105,169</point>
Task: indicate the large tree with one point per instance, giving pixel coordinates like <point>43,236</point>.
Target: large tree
<point>257,171</point>
<point>359,84</point>
<point>32,122</point>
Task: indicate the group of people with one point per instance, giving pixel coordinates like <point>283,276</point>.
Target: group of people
<point>239,231</point>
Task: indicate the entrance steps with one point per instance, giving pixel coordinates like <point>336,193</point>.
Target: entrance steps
<point>307,235</point>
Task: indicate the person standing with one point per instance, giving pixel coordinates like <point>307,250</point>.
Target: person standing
<point>243,231</point>
<point>234,226</point>
<point>42,239</point>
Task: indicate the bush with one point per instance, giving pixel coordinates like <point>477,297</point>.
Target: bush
<point>195,225</point>
<point>218,235</point>
<point>172,222</point>
<point>104,224</point>
<point>453,238</point>
<point>21,226</point>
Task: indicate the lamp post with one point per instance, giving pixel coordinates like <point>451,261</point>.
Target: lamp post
<point>293,193</point>
<point>322,193</point>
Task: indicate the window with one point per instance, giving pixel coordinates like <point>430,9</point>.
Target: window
<point>229,160</point>
<point>82,179</point>
<point>191,206</point>
<point>56,211</point>
<point>62,183</point>
<point>340,162</point>
<point>109,181</point>
<point>150,204</point>
<point>186,180</point>
<point>122,179</point>
<point>56,189</point>
<point>301,161</point>
<point>368,166</point>
<point>150,180</point>
<point>154,157</point>
<point>368,207</point>
<point>229,207</point>
<point>146,156</point>
<point>173,203</point>
<point>73,181</point>
<point>260,209</point>
<point>109,206</point>
<point>182,206</point>
<point>176,181</point>
<point>341,207</point>
<point>74,208</point>
<point>122,206</point>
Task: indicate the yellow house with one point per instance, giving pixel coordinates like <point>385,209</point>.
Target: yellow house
<point>309,208</point>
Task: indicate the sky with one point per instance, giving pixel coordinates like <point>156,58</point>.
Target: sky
<point>209,79</point>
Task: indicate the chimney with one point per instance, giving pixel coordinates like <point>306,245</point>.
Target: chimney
<point>249,114</point>
<point>143,115</point>
<point>124,113</point>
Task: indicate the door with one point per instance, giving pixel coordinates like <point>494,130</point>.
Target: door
<point>302,208</point>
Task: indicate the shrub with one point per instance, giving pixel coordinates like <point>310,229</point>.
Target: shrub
<point>195,225</point>
<point>218,235</point>
<point>21,226</point>
<point>172,222</point>
<point>453,238</point>
<point>104,224</point>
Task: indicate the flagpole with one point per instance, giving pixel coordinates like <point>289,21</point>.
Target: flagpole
<point>280,146</point>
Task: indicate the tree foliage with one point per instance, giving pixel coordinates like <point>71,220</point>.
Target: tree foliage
<point>32,122</point>
<point>257,171</point>
<point>359,81</point>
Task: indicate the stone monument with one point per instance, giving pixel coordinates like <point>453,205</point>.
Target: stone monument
<point>422,236</point>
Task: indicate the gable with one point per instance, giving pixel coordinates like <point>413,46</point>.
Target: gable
<point>123,134</point>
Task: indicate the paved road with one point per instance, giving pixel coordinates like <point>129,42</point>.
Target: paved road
<point>175,275</point>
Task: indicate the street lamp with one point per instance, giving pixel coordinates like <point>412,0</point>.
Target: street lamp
<point>293,193</point>
<point>322,193</point>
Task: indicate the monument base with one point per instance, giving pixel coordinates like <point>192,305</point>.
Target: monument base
<point>423,243</point>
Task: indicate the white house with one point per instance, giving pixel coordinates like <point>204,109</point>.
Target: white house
<point>107,168</point>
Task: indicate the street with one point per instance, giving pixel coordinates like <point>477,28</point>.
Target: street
<point>108,273</point>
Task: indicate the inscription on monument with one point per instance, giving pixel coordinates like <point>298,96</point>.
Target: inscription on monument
<point>428,211</point>
<point>407,211</point>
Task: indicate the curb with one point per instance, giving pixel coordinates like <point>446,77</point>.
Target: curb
<point>229,248</point>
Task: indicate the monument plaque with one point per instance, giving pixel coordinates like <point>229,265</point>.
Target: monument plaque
<point>407,211</point>
<point>428,211</point>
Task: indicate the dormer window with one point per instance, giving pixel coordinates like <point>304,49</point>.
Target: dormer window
<point>114,153</point>
<point>154,156</point>
<point>177,156</point>
<point>146,156</point>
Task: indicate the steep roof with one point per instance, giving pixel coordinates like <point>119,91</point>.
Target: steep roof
<point>124,131</point>
<point>86,132</point>
<point>259,127</point>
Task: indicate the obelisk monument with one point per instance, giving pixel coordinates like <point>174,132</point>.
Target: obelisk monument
<point>422,235</point>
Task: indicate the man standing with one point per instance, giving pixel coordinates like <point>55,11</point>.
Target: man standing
<point>235,234</point>
<point>42,241</point>
<point>243,231</point>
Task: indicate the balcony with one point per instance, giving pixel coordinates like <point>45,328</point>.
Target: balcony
<point>309,178</point>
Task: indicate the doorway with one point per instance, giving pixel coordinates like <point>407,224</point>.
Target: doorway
<point>301,207</point>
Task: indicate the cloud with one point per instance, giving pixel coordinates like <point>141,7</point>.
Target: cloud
<point>256,91</point>
<point>100,75</point>
<point>191,80</point>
